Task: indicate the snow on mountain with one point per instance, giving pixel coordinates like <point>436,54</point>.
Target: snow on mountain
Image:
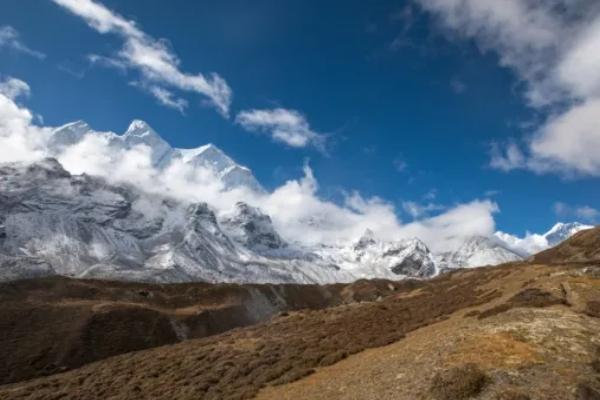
<point>477,251</point>
<point>384,259</point>
<point>77,225</point>
<point>68,135</point>
<point>139,132</point>
<point>209,156</point>
<point>562,231</point>
<point>534,243</point>
<point>252,228</point>
<point>52,222</point>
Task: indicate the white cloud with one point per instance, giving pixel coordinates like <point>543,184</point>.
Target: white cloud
<point>446,231</point>
<point>584,213</point>
<point>286,126</point>
<point>506,158</point>
<point>157,64</point>
<point>530,243</point>
<point>107,62</point>
<point>297,210</point>
<point>552,46</point>
<point>9,38</point>
<point>417,210</point>
<point>14,88</point>
<point>164,96</point>
<point>570,141</point>
<point>20,139</point>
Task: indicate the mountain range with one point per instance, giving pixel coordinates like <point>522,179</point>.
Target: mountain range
<point>53,222</point>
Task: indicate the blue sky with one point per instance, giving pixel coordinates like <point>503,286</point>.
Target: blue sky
<point>409,106</point>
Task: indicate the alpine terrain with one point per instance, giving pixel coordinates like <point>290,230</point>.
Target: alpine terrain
<point>53,222</point>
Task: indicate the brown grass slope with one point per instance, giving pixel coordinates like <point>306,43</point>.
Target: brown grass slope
<point>55,324</point>
<point>236,364</point>
<point>583,246</point>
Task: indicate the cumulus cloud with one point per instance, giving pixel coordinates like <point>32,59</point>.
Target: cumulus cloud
<point>446,231</point>
<point>552,47</point>
<point>153,59</point>
<point>14,88</point>
<point>283,125</point>
<point>20,139</point>
<point>297,210</point>
<point>9,38</point>
<point>570,141</point>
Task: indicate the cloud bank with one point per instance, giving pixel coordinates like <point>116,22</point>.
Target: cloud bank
<point>156,63</point>
<point>552,46</point>
<point>297,210</point>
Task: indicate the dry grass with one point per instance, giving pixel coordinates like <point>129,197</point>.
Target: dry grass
<point>592,308</point>
<point>532,297</point>
<point>236,364</point>
<point>586,392</point>
<point>512,395</point>
<point>56,324</point>
<point>458,383</point>
<point>584,246</point>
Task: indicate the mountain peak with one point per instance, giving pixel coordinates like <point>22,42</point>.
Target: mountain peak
<point>75,125</point>
<point>140,128</point>
<point>562,231</point>
<point>68,134</point>
<point>366,239</point>
<point>565,225</point>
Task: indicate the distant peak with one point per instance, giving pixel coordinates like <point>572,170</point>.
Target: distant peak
<point>75,125</point>
<point>368,234</point>
<point>366,239</point>
<point>563,226</point>
<point>137,127</point>
<point>208,150</point>
<point>210,147</point>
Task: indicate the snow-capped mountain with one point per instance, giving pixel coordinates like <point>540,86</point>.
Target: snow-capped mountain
<point>562,231</point>
<point>54,222</point>
<point>139,133</point>
<point>252,228</point>
<point>477,251</point>
<point>385,259</point>
<point>534,243</point>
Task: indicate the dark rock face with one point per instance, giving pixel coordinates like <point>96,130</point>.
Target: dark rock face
<point>254,228</point>
<point>412,266</point>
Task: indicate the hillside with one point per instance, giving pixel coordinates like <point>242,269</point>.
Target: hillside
<point>516,331</point>
<point>583,246</point>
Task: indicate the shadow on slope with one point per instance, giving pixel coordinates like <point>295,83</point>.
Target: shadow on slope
<point>50,325</point>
